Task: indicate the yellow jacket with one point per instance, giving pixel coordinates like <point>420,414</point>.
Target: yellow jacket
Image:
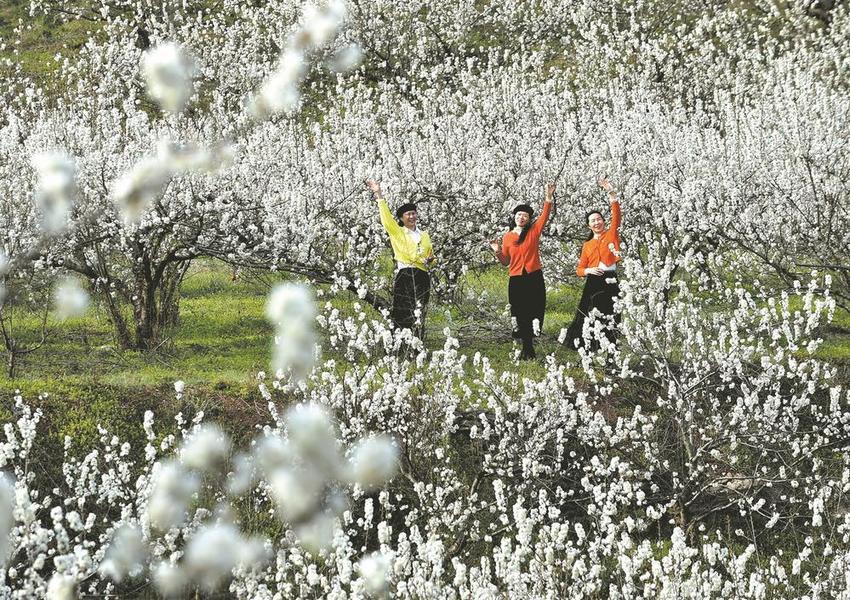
<point>404,248</point>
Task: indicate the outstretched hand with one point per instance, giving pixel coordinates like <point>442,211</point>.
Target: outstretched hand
<point>606,185</point>
<point>550,191</point>
<point>374,186</point>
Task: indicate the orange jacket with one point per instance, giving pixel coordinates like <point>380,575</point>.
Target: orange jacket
<point>595,250</point>
<point>526,255</point>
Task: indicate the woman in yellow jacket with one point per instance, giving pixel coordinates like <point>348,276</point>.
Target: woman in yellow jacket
<point>413,254</point>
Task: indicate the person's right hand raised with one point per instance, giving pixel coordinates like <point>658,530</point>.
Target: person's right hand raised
<point>495,246</point>
<point>374,186</point>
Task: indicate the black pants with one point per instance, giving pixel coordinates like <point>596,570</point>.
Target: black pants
<point>527,295</point>
<point>412,288</point>
<point>599,293</point>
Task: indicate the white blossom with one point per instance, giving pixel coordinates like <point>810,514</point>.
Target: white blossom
<point>70,299</point>
<point>290,304</point>
<point>168,71</point>
<point>171,493</point>
<point>125,554</point>
<point>55,192</point>
<point>61,587</point>
<point>212,553</point>
<point>170,580</point>
<point>205,448</point>
<point>347,59</point>
<point>135,191</point>
<point>375,569</point>
<point>374,462</point>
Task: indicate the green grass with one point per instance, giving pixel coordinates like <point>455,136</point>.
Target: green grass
<point>223,339</point>
<point>34,42</point>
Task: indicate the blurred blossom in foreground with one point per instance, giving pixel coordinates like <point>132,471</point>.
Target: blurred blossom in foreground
<point>296,493</point>
<point>55,191</point>
<point>374,569</point>
<point>310,429</point>
<point>61,587</point>
<point>374,462</point>
<point>169,579</point>
<point>212,553</point>
<point>167,71</point>
<point>187,157</point>
<point>7,503</point>
<point>279,92</point>
<point>317,534</point>
<point>70,299</point>
<point>172,491</point>
<point>179,386</point>
<point>206,448</point>
<point>138,188</point>
<point>291,308</point>
<point>125,555</point>
<point>346,59</point>
<point>321,23</point>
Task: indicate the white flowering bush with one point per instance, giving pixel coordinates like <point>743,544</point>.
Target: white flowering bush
<point>504,483</point>
<point>701,453</point>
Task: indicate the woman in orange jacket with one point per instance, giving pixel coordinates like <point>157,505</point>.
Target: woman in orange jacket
<point>599,257</point>
<point>520,252</point>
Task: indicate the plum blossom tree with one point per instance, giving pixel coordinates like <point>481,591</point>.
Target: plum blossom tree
<point>701,455</point>
<point>459,109</point>
<point>133,231</point>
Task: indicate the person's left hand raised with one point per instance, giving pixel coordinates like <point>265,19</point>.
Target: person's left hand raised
<point>606,185</point>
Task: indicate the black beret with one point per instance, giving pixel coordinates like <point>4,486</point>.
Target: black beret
<point>404,208</point>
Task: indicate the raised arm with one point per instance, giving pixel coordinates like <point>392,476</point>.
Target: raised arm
<point>387,220</point>
<point>616,216</point>
<point>541,221</point>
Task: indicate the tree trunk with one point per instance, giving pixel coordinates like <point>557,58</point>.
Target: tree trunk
<point>123,336</point>
<point>13,362</point>
<point>156,306</point>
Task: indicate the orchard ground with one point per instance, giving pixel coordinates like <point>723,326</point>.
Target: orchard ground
<point>223,341</point>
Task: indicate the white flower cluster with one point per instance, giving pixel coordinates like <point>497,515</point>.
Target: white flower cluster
<point>168,71</point>
<point>709,430</point>
<point>55,194</point>
<point>291,309</point>
<point>535,476</point>
<point>280,91</point>
<point>140,187</point>
<point>70,299</point>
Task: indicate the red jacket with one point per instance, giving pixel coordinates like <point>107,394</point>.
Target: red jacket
<point>596,250</point>
<point>526,255</point>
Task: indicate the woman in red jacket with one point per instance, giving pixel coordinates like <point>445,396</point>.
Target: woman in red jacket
<point>520,252</point>
<point>599,256</point>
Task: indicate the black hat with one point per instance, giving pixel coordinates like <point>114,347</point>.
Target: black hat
<point>524,208</point>
<point>403,209</point>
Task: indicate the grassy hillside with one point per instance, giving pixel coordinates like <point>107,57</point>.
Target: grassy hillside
<point>35,42</point>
